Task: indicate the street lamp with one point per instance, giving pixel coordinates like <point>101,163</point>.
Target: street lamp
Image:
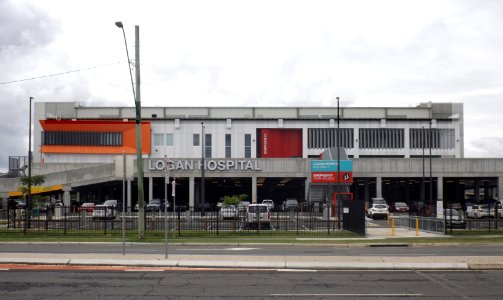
<point>337,198</point>
<point>203,168</point>
<point>28,196</point>
<point>137,100</point>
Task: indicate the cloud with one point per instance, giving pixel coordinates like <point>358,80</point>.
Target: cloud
<point>24,33</point>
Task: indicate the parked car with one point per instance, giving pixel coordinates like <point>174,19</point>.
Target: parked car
<point>86,206</point>
<point>230,212</point>
<point>454,218</point>
<point>378,201</point>
<point>399,207</point>
<point>243,205</point>
<point>478,211</point>
<point>258,215</point>
<point>378,210</point>
<point>269,203</point>
<point>107,210</point>
<point>290,204</point>
<point>155,205</point>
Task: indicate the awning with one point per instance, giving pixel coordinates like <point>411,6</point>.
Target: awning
<point>37,190</point>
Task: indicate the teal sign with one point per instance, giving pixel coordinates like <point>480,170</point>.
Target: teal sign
<point>331,166</point>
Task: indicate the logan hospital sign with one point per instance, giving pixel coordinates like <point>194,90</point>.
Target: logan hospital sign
<point>209,165</point>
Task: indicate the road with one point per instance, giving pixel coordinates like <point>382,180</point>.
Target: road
<point>266,250</point>
<point>248,284</point>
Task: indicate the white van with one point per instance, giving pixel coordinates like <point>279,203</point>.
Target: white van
<point>258,215</point>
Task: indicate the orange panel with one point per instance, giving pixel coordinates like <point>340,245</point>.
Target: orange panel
<point>128,130</point>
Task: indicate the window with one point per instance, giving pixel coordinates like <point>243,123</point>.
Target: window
<point>207,145</point>
<point>381,138</point>
<point>228,142</point>
<point>158,139</point>
<point>327,138</point>
<point>438,138</point>
<point>81,138</point>
<point>247,145</point>
<point>169,139</point>
<point>195,139</point>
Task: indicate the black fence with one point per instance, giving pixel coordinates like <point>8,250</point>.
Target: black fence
<point>97,222</point>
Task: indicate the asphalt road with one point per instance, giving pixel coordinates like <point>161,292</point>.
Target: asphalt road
<point>267,250</point>
<point>248,284</point>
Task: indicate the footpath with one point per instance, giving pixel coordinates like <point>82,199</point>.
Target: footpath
<point>375,236</point>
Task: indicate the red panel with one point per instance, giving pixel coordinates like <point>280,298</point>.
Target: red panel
<point>331,177</point>
<point>280,143</point>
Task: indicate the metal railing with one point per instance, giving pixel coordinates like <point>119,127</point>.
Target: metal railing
<point>63,221</point>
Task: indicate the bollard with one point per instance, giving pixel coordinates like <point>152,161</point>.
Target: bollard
<point>417,227</point>
<point>393,227</point>
<point>387,218</point>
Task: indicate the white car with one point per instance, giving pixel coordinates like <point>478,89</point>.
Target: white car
<point>269,203</point>
<point>378,210</point>
<point>230,212</point>
<point>454,218</point>
<point>107,210</point>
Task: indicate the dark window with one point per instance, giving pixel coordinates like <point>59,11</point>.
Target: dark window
<point>247,145</point>
<point>322,138</point>
<point>81,138</point>
<point>207,145</point>
<point>228,144</point>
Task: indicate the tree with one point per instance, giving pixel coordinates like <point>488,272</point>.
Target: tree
<point>234,200</point>
<point>35,181</point>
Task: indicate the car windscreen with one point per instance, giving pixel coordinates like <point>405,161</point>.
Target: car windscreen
<point>452,212</point>
<point>380,206</point>
<point>255,209</point>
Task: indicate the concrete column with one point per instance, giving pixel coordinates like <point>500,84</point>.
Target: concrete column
<point>477,189</point>
<point>192,183</point>
<point>379,187</point>
<point>254,189</point>
<point>66,196</point>
<point>440,188</point>
<point>78,197</point>
<point>128,195</point>
<point>150,188</point>
<point>500,187</point>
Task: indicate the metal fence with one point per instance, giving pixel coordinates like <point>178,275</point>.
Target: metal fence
<point>422,223</point>
<point>62,221</point>
<point>470,226</point>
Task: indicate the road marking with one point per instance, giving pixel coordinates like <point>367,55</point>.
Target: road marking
<point>221,249</point>
<point>346,295</point>
<point>296,270</point>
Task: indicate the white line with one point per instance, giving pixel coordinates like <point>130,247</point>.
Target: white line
<point>4,269</point>
<point>221,249</point>
<point>346,295</point>
<point>296,270</point>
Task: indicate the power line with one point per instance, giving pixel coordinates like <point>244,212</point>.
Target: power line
<point>62,73</point>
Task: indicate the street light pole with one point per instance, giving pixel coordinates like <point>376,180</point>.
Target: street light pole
<point>202,171</point>
<point>137,98</point>
<point>28,196</point>
<point>431,178</point>
<point>337,198</point>
<point>423,141</point>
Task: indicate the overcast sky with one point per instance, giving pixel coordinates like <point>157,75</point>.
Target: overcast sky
<point>255,53</point>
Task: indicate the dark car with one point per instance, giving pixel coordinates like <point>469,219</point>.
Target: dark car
<point>155,205</point>
<point>399,207</point>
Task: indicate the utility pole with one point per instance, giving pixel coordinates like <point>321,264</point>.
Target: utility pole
<point>139,157</point>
